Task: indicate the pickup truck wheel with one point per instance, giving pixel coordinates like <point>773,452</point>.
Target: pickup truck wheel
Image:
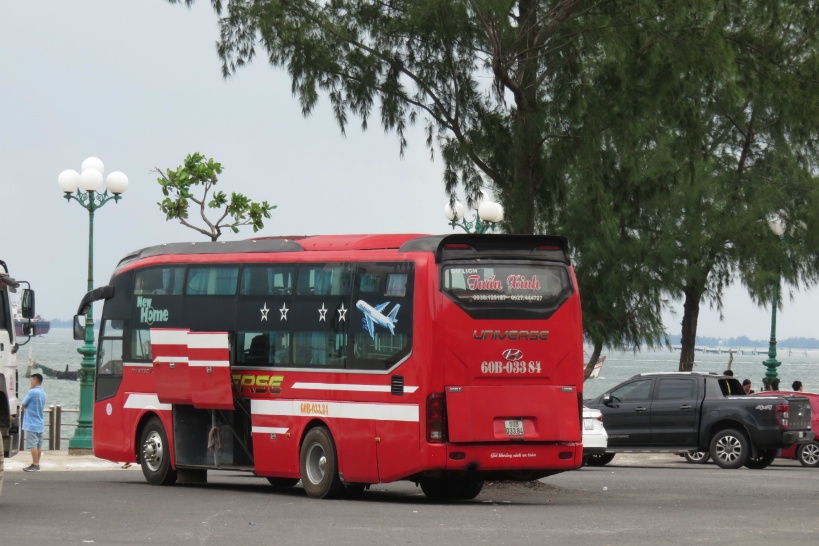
<point>808,454</point>
<point>729,448</point>
<point>763,459</point>
<point>601,459</point>
<point>697,457</point>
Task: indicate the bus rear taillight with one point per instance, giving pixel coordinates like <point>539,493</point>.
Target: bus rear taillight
<point>782,415</point>
<point>436,418</point>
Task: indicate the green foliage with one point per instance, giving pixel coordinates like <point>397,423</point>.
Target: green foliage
<point>191,183</point>
<point>479,75</point>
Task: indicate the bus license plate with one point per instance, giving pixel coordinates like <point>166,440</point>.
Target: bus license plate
<point>514,427</point>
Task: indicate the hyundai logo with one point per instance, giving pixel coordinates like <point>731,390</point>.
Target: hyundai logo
<point>512,354</point>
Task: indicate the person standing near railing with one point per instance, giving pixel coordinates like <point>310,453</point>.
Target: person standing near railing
<point>33,423</point>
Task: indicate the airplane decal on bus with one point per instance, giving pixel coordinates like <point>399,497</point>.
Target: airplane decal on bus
<point>374,315</point>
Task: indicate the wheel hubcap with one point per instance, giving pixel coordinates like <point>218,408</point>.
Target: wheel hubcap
<point>810,454</point>
<point>152,451</point>
<point>729,448</point>
<point>316,464</point>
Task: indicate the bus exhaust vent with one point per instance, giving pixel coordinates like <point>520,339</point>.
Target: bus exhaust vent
<point>397,387</point>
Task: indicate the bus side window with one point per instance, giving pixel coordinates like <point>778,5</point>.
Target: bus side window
<point>259,351</point>
<point>141,344</point>
<point>110,357</point>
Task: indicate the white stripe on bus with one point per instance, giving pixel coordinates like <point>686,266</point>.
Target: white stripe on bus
<point>211,363</point>
<point>269,430</point>
<point>349,387</point>
<point>174,359</point>
<point>145,401</point>
<point>201,340</point>
<point>169,337</point>
<point>339,410</point>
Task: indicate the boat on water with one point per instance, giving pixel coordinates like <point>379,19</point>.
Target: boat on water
<point>34,366</point>
<point>25,327</point>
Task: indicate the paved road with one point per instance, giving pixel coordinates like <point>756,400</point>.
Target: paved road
<point>638,499</point>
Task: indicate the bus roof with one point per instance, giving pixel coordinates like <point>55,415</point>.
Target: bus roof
<point>546,247</point>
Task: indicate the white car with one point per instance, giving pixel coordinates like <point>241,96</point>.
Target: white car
<point>595,438</point>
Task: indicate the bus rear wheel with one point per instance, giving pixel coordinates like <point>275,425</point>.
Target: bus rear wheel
<point>154,455</point>
<point>319,465</point>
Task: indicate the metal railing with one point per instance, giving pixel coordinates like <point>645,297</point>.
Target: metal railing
<point>53,416</point>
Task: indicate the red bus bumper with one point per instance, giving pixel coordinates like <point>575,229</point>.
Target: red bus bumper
<point>496,457</point>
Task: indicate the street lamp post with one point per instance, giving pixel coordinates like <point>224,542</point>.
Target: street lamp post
<point>771,364</point>
<point>84,189</point>
<point>488,215</point>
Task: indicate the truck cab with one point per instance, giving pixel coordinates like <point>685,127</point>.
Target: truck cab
<point>9,343</point>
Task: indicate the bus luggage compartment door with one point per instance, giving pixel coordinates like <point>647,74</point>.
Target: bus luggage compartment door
<point>209,361</point>
<point>540,413</point>
<point>169,348</point>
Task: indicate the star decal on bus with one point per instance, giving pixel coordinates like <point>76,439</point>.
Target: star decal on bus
<point>264,311</point>
<point>283,311</point>
<point>342,313</point>
<point>323,313</point>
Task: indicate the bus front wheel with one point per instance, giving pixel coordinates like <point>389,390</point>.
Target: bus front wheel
<point>154,455</point>
<point>319,465</point>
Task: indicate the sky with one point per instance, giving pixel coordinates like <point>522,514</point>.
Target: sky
<point>139,85</point>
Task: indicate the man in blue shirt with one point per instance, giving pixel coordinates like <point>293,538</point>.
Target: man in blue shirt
<point>34,403</point>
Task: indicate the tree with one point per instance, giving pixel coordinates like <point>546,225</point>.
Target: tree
<point>718,131</point>
<point>748,149</point>
<point>178,186</point>
<point>476,72</point>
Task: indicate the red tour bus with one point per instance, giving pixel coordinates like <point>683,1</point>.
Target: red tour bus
<point>343,361</point>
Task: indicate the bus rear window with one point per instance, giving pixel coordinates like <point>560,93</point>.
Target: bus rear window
<point>507,285</point>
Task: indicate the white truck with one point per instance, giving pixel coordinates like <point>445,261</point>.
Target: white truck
<point>9,400</point>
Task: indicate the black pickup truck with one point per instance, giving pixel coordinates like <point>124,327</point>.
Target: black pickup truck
<point>692,411</point>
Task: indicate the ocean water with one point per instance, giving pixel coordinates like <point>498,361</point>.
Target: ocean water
<point>57,350</point>
<point>795,365</point>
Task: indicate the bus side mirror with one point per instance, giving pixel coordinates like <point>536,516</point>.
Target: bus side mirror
<point>79,327</point>
<point>27,303</point>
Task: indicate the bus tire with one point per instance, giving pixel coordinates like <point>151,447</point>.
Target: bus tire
<point>282,483</point>
<point>154,455</point>
<point>319,465</point>
<point>763,459</point>
<point>730,448</point>
<point>1,466</point>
